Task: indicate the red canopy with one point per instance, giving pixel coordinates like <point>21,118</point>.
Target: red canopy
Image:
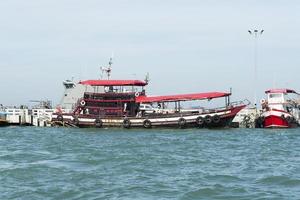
<point>182,97</point>
<point>113,83</point>
<point>285,91</point>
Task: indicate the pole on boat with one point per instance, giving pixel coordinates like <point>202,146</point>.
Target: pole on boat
<point>256,33</point>
<point>108,69</point>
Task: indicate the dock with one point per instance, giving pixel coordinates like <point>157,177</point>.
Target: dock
<point>28,117</point>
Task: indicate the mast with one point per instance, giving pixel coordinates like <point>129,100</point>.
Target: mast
<point>107,69</point>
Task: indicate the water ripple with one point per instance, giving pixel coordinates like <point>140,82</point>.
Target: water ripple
<point>58,163</point>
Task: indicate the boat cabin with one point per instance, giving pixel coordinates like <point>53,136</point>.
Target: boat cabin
<point>111,98</point>
<point>278,99</point>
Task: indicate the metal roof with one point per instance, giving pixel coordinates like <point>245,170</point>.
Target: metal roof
<point>113,82</point>
<point>181,97</point>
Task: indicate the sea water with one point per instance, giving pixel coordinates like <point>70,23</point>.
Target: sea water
<point>62,163</point>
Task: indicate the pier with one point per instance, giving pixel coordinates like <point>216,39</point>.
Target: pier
<point>28,117</point>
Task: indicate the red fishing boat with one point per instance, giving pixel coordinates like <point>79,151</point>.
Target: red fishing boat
<point>124,103</point>
<point>280,110</point>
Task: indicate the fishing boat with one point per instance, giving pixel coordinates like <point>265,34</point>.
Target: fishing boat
<point>281,109</point>
<point>124,103</point>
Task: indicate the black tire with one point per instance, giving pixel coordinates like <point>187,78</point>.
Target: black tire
<point>208,119</point>
<point>246,118</point>
<point>98,123</point>
<point>147,123</point>
<point>126,123</point>
<point>216,119</point>
<point>75,120</point>
<point>60,118</point>
<point>259,122</point>
<point>289,119</point>
<point>182,122</point>
<point>200,121</point>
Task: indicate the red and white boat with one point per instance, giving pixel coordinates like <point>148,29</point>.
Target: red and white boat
<point>124,103</point>
<point>280,109</point>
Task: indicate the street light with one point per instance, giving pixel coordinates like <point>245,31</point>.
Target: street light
<point>256,33</point>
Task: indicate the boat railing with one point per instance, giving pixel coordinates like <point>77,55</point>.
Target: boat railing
<point>96,95</point>
<point>95,111</point>
<point>239,103</point>
<point>230,105</point>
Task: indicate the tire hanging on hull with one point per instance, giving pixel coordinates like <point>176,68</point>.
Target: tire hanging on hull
<point>75,120</point>
<point>60,118</point>
<point>208,119</point>
<point>147,123</point>
<point>98,123</point>
<point>126,123</point>
<point>200,121</point>
<point>182,122</point>
<point>216,119</point>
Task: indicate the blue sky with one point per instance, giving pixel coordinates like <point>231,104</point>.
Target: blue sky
<point>186,46</point>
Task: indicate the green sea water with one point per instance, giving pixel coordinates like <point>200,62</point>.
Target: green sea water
<point>60,163</point>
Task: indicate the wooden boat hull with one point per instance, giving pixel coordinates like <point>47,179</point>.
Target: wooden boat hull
<point>217,118</point>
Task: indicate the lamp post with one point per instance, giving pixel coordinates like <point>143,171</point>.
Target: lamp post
<point>255,33</point>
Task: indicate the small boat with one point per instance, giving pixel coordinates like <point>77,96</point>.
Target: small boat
<point>124,103</point>
<point>280,109</point>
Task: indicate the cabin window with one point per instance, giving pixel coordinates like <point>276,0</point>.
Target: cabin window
<point>274,96</point>
<point>69,86</point>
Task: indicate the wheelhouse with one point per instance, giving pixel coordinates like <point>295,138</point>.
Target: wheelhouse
<point>111,98</point>
<point>280,98</point>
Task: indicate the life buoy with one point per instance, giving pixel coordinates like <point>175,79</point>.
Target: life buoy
<point>182,122</point>
<point>263,101</point>
<point>126,123</point>
<point>82,102</point>
<point>207,119</point>
<point>60,118</point>
<point>147,123</point>
<point>98,123</point>
<point>137,94</point>
<point>199,121</point>
<point>216,119</point>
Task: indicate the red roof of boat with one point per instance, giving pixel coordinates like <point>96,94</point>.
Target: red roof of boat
<point>182,97</point>
<point>285,91</point>
<point>113,83</point>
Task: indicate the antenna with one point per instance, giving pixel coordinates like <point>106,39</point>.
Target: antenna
<point>107,69</point>
<point>147,78</point>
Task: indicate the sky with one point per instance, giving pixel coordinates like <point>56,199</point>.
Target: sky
<point>185,45</point>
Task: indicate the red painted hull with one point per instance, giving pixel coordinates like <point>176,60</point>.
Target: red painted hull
<point>276,119</point>
<point>273,121</point>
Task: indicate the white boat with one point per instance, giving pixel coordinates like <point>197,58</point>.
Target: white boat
<point>280,109</point>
